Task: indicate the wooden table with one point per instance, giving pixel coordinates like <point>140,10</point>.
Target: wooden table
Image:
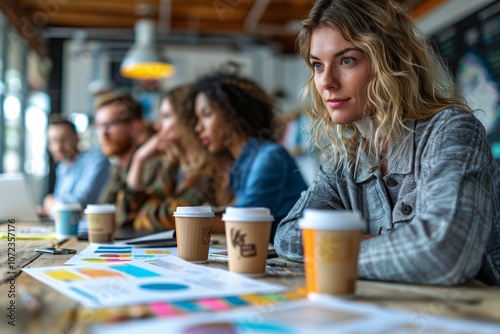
<point>41,309</point>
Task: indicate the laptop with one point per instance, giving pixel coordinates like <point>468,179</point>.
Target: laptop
<point>16,200</point>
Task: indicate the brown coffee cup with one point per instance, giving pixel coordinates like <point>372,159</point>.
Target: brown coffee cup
<point>247,236</point>
<point>100,222</point>
<point>331,245</point>
<point>193,226</point>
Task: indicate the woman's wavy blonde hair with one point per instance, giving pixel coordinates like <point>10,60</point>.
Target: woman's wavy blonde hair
<point>408,81</point>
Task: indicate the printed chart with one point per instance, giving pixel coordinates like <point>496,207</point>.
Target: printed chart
<point>139,282</point>
<point>101,253</point>
<point>321,315</point>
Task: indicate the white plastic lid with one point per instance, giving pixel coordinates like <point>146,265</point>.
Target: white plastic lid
<point>68,207</point>
<point>247,215</point>
<point>331,220</point>
<point>194,211</point>
<point>100,208</point>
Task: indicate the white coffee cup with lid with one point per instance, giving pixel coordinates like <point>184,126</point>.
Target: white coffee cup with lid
<point>100,222</point>
<point>247,236</point>
<point>193,227</point>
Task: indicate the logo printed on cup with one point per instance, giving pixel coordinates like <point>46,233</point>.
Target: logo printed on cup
<point>333,249</point>
<point>248,250</point>
<point>207,234</point>
<point>247,236</point>
<point>238,240</point>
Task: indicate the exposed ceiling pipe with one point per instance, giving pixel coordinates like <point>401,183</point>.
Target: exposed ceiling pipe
<point>165,16</point>
<point>253,17</point>
<point>290,28</point>
<point>252,22</point>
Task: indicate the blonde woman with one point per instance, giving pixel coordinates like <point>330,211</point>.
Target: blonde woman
<point>403,149</point>
<point>189,175</point>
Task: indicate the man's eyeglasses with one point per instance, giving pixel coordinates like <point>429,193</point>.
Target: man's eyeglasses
<point>109,126</point>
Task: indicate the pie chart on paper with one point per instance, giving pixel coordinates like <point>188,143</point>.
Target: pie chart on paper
<point>238,327</point>
<point>165,287</point>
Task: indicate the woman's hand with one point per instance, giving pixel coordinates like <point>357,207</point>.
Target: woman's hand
<point>158,144</point>
<point>149,149</point>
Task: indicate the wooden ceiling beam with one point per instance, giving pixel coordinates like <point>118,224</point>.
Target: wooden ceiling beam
<point>23,25</point>
<point>204,12</point>
<point>277,16</point>
<point>221,28</point>
<point>93,3</point>
<point>86,20</point>
<point>103,8</point>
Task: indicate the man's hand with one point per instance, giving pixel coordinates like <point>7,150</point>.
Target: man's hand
<point>41,212</point>
<point>48,204</point>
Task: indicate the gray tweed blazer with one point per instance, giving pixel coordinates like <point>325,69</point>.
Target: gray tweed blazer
<point>438,206</point>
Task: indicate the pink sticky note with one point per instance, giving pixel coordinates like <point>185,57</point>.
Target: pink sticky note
<point>163,309</point>
<point>214,304</point>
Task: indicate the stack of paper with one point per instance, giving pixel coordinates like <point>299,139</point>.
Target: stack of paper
<point>138,282</point>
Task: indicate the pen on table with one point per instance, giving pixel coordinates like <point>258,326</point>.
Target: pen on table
<point>55,251</point>
<point>271,263</point>
<point>379,231</point>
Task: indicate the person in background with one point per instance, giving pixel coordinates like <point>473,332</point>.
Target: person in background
<point>235,115</point>
<point>118,121</point>
<point>403,149</point>
<point>188,176</point>
<point>80,176</point>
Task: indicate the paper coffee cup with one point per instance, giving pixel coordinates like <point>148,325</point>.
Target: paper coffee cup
<point>67,217</point>
<point>247,236</point>
<point>331,245</point>
<point>100,222</point>
<point>193,226</point>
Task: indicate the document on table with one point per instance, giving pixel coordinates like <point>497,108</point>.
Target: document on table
<point>30,231</point>
<point>143,281</point>
<point>160,239</point>
<point>107,253</point>
<point>321,315</point>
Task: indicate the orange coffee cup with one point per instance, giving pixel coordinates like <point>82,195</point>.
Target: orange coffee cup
<point>331,245</point>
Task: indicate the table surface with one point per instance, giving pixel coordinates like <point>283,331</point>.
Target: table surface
<point>41,309</point>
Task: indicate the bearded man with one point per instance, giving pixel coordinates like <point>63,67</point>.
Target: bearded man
<point>118,121</point>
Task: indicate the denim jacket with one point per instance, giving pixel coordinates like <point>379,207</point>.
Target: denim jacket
<point>438,206</point>
<point>265,175</point>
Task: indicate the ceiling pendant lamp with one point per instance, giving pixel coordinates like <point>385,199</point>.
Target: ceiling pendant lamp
<point>142,61</point>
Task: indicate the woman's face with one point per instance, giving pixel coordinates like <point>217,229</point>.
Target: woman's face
<point>341,74</point>
<point>167,125</point>
<point>210,126</point>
